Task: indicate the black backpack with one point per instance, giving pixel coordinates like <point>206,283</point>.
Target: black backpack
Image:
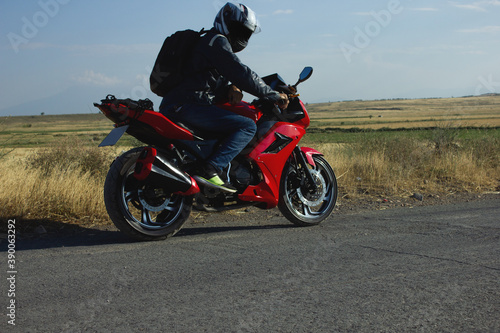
<point>169,68</point>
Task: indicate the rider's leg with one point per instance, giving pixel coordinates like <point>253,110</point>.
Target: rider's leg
<point>237,131</point>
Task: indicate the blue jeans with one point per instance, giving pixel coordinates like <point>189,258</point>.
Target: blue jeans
<point>237,130</point>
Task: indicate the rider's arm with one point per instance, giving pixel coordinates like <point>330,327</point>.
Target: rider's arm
<point>220,54</point>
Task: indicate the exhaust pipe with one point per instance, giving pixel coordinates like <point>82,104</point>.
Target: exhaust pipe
<point>153,169</point>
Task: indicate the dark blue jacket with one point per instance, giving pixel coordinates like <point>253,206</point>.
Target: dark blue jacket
<point>212,68</point>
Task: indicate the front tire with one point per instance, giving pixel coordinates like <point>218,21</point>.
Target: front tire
<point>301,206</point>
<point>142,212</point>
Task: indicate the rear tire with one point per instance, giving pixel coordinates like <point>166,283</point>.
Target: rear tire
<point>300,206</point>
<point>142,212</point>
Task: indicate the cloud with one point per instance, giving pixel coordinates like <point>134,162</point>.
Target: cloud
<point>490,29</point>
<point>97,79</point>
<point>470,7</point>
<point>479,6</point>
<point>283,12</point>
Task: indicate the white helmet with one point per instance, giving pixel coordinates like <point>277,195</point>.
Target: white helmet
<point>237,22</point>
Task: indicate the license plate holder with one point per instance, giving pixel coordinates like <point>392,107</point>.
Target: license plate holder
<point>114,136</point>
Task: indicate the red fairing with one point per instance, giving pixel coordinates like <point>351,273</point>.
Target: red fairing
<point>161,124</point>
<point>244,109</point>
<point>165,126</point>
<point>309,153</point>
<point>272,163</point>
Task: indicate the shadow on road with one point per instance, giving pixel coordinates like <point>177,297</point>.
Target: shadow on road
<point>58,234</point>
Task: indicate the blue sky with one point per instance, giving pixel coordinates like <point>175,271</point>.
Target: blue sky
<point>60,56</point>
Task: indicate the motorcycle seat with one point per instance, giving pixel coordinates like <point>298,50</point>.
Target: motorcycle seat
<point>200,134</point>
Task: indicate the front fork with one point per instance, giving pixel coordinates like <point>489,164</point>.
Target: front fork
<point>300,160</point>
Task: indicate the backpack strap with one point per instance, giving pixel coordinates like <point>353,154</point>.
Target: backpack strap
<point>212,41</point>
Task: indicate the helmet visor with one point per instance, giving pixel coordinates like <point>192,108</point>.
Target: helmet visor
<point>239,35</point>
<point>251,21</point>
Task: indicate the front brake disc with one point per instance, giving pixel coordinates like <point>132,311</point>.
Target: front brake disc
<point>318,196</point>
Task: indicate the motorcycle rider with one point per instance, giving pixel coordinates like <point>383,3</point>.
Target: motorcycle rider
<point>216,75</point>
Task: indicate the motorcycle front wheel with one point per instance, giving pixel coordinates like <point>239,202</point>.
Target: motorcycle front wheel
<point>301,205</point>
<point>143,212</point>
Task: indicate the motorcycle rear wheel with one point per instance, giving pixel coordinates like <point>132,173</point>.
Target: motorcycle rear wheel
<point>142,212</point>
<point>300,206</point>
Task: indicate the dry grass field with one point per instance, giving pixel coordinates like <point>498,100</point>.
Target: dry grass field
<point>457,112</point>
<point>57,183</point>
<point>480,112</point>
<point>41,131</point>
<point>52,168</point>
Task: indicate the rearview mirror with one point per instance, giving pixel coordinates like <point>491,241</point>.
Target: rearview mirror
<point>305,75</point>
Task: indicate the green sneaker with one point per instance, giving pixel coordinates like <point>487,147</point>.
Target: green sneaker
<point>210,178</point>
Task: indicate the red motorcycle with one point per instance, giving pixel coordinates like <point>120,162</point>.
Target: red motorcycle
<point>149,191</point>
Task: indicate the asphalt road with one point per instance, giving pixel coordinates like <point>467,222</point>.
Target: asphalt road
<point>427,269</point>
